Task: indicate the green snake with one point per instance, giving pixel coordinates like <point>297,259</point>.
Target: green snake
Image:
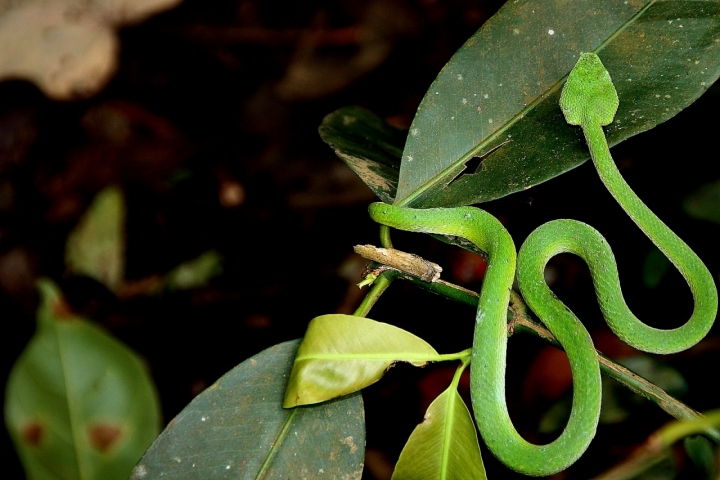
<point>588,99</point>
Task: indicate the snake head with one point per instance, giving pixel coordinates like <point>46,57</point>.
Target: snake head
<point>589,96</point>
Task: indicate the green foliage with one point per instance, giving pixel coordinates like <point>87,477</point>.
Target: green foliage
<point>78,403</point>
<point>704,203</point>
<point>662,56</point>
<point>341,354</point>
<point>445,444</point>
<point>368,145</point>
<point>194,273</point>
<point>96,247</point>
<point>237,428</point>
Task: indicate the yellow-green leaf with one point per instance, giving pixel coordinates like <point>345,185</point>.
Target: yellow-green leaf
<point>79,404</point>
<point>444,446</point>
<point>341,354</point>
<point>195,273</point>
<point>96,247</point>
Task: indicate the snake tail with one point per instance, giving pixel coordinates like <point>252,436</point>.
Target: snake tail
<point>589,99</point>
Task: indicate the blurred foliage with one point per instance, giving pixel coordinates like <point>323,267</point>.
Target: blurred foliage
<point>78,403</point>
<point>96,247</point>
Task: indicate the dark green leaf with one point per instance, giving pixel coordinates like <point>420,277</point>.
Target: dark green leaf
<point>238,429</point>
<point>655,266</point>
<point>704,203</point>
<point>79,404</point>
<point>368,145</point>
<point>490,124</point>
<point>96,247</point>
<point>341,354</point>
<point>702,455</point>
<point>444,446</point>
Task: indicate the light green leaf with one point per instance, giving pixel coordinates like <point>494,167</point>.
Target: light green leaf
<point>444,446</point>
<point>490,124</point>
<point>96,247</point>
<point>368,145</point>
<point>341,354</point>
<point>78,403</point>
<point>195,273</point>
<point>237,429</point>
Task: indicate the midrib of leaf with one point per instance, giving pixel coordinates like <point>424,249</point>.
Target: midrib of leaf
<point>383,357</point>
<point>276,445</point>
<point>449,412</point>
<point>498,133</point>
<point>449,415</point>
<point>76,435</point>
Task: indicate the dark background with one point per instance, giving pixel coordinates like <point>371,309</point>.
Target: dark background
<point>210,127</point>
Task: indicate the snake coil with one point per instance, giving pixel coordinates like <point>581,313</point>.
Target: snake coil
<point>588,99</point>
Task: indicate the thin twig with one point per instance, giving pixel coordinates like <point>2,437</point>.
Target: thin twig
<point>657,447</point>
<point>403,261</point>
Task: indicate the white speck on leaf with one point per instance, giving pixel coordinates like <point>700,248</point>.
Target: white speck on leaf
<point>516,31</point>
<point>490,120</point>
<point>460,77</point>
<point>464,101</point>
<point>414,131</point>
<point>140,471</point>
<point>551,32</point>
<point>409,158</point>
<point>203,418</point>
<point>486,96</point>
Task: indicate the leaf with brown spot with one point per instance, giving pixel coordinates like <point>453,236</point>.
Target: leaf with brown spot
<point>103,437</point>
<point>32,433</point>
<point>92,393</point>
<point>62,311</point>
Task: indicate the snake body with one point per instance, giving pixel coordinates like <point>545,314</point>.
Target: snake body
<point>589,100</point>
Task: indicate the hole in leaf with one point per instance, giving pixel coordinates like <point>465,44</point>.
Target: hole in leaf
<point>103,437</point>
<point>474,165</point>
<point>471,168</point>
